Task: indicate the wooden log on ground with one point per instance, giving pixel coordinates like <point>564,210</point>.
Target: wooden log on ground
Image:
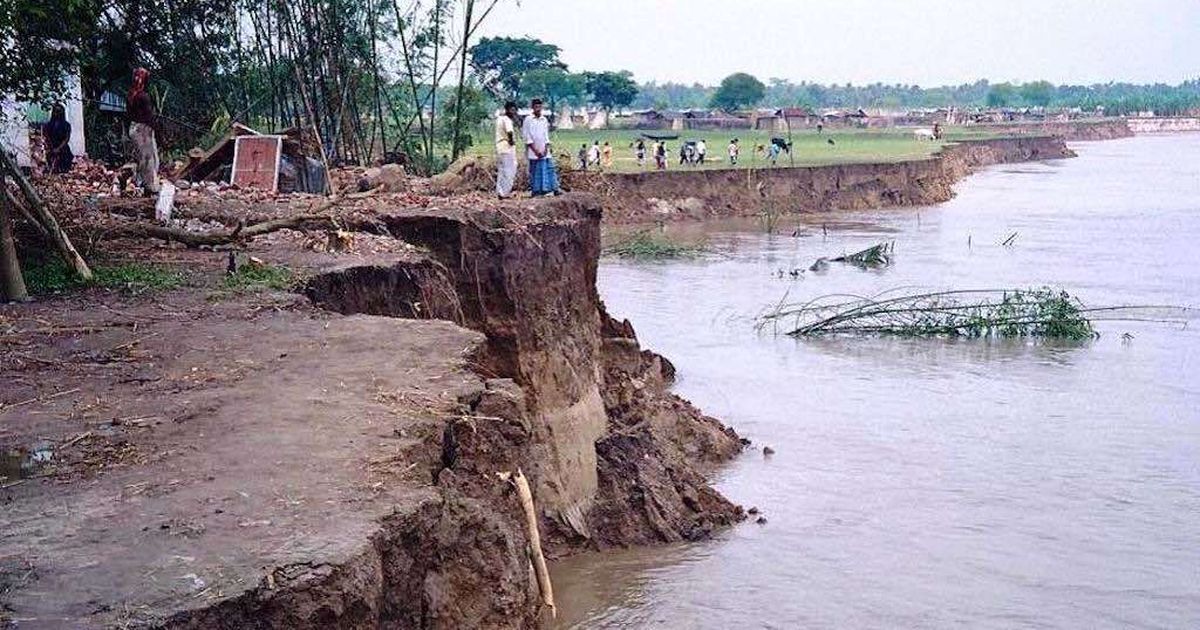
<point>46,218</point>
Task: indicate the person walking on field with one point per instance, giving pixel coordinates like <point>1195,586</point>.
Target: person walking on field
<point>583,156</point>
<point>660,155</point>
<point>506,150</point>
<point>142,123</point>
<point>606,156</point>
<point>701,149</point>
<point>640,152</point>
<point>593,155</point>
<point>734,151</point>
<point>535,129</point>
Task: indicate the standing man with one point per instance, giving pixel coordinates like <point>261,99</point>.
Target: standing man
<point>141,131</point>
<point>734,150</point>
<point>543,179</point>
<point>594,154</point>
<point>606,156</point>
<point>640,152</point>
<point>701,149</point>
<point>506,150</point>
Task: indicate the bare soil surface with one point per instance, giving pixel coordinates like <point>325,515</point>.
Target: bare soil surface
<point>173,452</point>
<point>210,457</point>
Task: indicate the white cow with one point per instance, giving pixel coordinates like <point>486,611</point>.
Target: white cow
<point>924,134</point>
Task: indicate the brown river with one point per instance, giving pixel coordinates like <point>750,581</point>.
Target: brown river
<point>938,483</point>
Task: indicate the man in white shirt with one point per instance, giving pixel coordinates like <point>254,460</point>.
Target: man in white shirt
<point>543,179</point>
<point>506,151</point>
<point>701,149</point>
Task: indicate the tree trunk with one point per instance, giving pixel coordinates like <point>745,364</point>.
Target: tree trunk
<point>462,79</point>
<point>12,283</point>
<point>60,238</point>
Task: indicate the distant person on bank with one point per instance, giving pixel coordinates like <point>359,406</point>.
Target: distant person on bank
<point>593,155</point>
<point>701,150</point>
<point>543,179</point>
<point>734,150</point>
<point>506,150</point>
<point>58,141</point>
<point>142,122</point>
<point>606,156</point>
<point>583,156</point>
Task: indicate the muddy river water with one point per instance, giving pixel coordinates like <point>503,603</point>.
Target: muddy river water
<point>939,483</point>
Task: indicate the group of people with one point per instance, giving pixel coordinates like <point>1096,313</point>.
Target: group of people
<point>142,125</point>
<point>690,153</point>
<point>535,132</point>
<point>596,156</point>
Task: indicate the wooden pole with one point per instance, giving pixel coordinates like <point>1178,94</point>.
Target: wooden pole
<point>521,483</point>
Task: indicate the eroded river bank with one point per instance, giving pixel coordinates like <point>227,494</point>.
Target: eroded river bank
<point>929,483</point>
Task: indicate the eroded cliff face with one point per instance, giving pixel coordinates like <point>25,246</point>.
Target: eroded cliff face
<point>703,194</point>
<point>571,398</point>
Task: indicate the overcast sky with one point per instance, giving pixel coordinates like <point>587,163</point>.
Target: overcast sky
<point>928,42</point>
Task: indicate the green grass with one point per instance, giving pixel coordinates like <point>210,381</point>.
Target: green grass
<point>810,148</point>
<point>256,277</point>
<point>50,276</point>
<point>648,245</point>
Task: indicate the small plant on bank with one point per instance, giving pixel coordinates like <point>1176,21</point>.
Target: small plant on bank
<point>256,276</point>
<point>52,276</point>
<point>648,245</point>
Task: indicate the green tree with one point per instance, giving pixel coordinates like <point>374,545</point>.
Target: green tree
<point>503,62</point>
<point>555,85</point>
<point>1002,95</point>
<point>40,43</point>
<point>738,90</point>
<point>1037,93</point>
<point>611,90</point>
<point>475,108</point>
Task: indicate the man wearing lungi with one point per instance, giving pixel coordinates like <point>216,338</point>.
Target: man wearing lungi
<point>543,179</point>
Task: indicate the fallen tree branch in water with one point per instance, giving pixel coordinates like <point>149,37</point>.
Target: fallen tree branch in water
<point>1043,313</point>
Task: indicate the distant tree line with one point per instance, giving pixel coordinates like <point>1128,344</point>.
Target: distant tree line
<point>1115,98</point>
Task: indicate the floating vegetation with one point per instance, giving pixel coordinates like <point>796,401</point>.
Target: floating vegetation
<point>651,245</point>
<point>1043,313</point>
<point>872,257</point>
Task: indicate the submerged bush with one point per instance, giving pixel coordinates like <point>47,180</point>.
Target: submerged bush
<point>650,245</point>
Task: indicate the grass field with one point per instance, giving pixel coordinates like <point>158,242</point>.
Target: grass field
<point>809,147</point>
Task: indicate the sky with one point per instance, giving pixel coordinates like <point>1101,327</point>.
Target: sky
<point>926,42</point>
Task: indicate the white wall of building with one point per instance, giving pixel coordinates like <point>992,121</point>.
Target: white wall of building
<point>14,127</point>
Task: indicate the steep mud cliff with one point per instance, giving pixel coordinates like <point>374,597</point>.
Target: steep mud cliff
<point>275,464</point>
<point>1070,130</point>
<point>615,458</point>
<point>700,194</point>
